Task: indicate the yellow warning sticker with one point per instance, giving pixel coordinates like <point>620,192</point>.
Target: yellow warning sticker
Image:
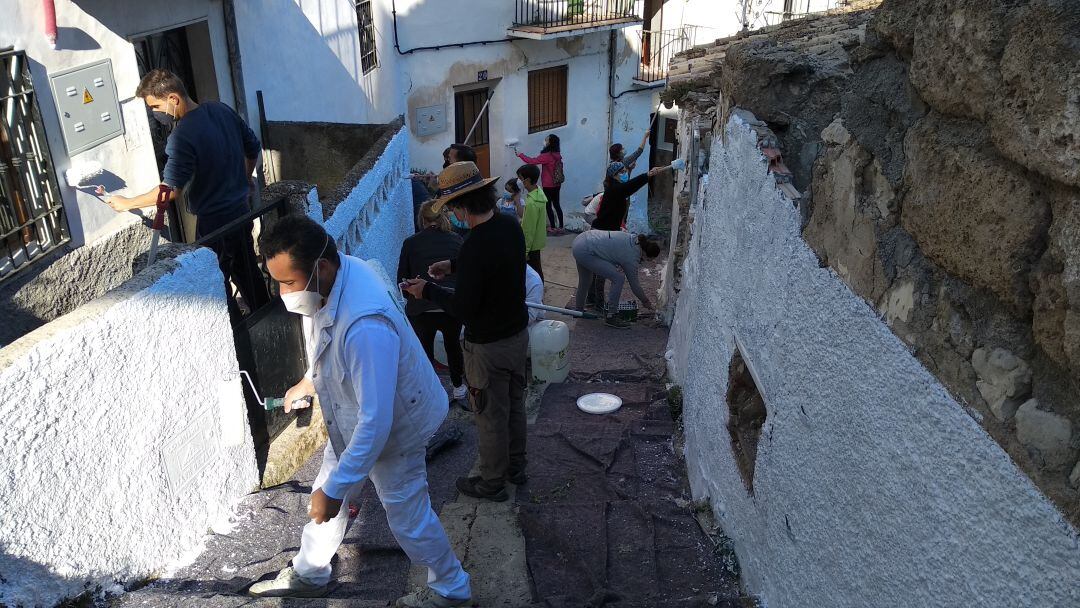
<point>87,97</point>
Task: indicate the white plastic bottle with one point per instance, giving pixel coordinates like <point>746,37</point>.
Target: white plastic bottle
<point>549,346</point>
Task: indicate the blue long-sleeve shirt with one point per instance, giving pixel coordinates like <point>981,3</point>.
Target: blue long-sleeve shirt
<point>371,355</point>
<point>206,151</point>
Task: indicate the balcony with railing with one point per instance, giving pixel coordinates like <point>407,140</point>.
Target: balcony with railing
<point>546,19</point>
<point>657,49</point>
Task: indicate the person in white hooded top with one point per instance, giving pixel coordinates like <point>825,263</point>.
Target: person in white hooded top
<point>381,400</point>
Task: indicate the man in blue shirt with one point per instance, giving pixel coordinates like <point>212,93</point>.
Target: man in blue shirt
<point>211,156</point>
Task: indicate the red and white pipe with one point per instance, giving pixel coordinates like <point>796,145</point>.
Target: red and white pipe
<point>50,22</point>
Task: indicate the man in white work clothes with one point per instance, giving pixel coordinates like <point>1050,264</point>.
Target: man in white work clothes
<point>381,401</point>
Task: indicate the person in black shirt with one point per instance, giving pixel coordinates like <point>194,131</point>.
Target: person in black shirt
<point>212,154</point>
<point>618,187</point>
<point>434,243</point>
<point>489,299</point>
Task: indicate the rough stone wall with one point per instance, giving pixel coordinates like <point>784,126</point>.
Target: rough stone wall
<point>318,152</point>
<point>125,435</point>
<point>939,150</point>
<point>872,485</point>
<point>54,287</point>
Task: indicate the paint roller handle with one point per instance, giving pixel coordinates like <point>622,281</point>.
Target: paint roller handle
<point>162,205</point>
<point>279,402</point>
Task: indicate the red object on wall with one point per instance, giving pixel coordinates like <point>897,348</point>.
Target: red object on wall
<point>50,21</point>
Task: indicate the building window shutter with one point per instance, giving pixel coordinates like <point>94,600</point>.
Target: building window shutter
<point>547,98</point>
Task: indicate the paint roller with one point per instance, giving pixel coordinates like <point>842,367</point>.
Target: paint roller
<point>81,176</point>
<point>272,403</point>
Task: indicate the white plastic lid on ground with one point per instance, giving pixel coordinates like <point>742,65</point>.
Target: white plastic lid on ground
<point>599,403</point>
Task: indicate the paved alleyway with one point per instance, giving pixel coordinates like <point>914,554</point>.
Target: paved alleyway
<point>605,518</point>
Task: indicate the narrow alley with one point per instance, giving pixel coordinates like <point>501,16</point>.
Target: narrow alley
<point>605,518</point>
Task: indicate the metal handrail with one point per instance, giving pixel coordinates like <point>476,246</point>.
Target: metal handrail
<point>548,14</point>
<point>657,49</point>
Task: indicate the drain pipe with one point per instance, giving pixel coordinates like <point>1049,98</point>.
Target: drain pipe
<point>49,7</point>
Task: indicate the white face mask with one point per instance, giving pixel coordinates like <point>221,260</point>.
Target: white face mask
<point>306,303</point>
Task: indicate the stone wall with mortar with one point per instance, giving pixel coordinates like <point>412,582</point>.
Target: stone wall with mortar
<point>873,485</point>
<point>321,153</point>
<point>938,147</point>
<point>125,436</point>
<point>32,299</point>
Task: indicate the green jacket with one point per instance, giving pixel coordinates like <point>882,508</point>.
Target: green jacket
<point>534,223</point>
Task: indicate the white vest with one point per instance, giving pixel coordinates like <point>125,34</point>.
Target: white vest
<point>421,402</point>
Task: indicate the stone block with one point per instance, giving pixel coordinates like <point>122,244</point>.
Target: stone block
<point>954,62</point>
<point>1004,380</point>
<point>973,213</point>
<point>1074,477</point>
<point>852,202</point>
<point>1046,436</point>
<point>1056,283</point>
<point>1034,118</point>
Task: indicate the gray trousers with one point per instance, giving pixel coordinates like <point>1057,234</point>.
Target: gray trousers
<point>590,265</point>
<point>495,373</point>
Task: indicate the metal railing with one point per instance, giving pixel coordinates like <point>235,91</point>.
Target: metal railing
<point>657,49</point>
<point>32,219</point>
<point>548,14</point>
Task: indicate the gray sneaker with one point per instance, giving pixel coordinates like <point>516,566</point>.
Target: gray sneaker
<point>426,598</point>
<point>287,584</point>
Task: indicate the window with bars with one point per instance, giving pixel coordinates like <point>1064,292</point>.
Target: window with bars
<point>369,59</point>
<point>547,98</point>
<point>32,219</point>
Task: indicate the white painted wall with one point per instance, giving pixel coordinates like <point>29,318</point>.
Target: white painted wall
<point>90,31</point>
<point>305,57</point>
<point>873,487</point>
<point>101,408</point>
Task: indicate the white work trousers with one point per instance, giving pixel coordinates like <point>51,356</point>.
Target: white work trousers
<point>401,482</point>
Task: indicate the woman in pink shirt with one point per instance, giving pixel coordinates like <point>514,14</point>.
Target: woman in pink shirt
<point>551,178</point>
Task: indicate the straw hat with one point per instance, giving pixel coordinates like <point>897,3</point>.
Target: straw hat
<point>457,179</point>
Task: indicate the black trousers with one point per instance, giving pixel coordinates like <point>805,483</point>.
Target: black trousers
<point>236,259</point>
<point>533,260</point>
<point>426,324</point>
<point>554,208</point>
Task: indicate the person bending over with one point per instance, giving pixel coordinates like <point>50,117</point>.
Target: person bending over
<point>614,255</point>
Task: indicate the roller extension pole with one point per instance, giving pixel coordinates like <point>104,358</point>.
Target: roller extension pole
<point>478,117</point>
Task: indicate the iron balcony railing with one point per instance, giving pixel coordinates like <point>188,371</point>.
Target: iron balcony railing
<point>549,14</point>
<point>31,212</point>
<point>657,49</point>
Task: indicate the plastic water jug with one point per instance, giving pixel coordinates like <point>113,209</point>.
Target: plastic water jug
<point>549,346</point>
<point>440,349</point>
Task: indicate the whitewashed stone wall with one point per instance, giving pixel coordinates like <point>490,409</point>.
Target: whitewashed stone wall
<point>376,216</point>
<point>872,485</point>
<point>125,436</point>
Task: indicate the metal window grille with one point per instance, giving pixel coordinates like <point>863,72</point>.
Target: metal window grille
<point>32,219</point>
<point>547,98</point>
<point>369,59</point>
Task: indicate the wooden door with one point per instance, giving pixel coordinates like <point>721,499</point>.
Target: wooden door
<point>467,107</point>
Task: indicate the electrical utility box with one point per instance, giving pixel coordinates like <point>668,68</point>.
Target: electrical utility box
<point>88,106</point>
<point>430,120</point>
